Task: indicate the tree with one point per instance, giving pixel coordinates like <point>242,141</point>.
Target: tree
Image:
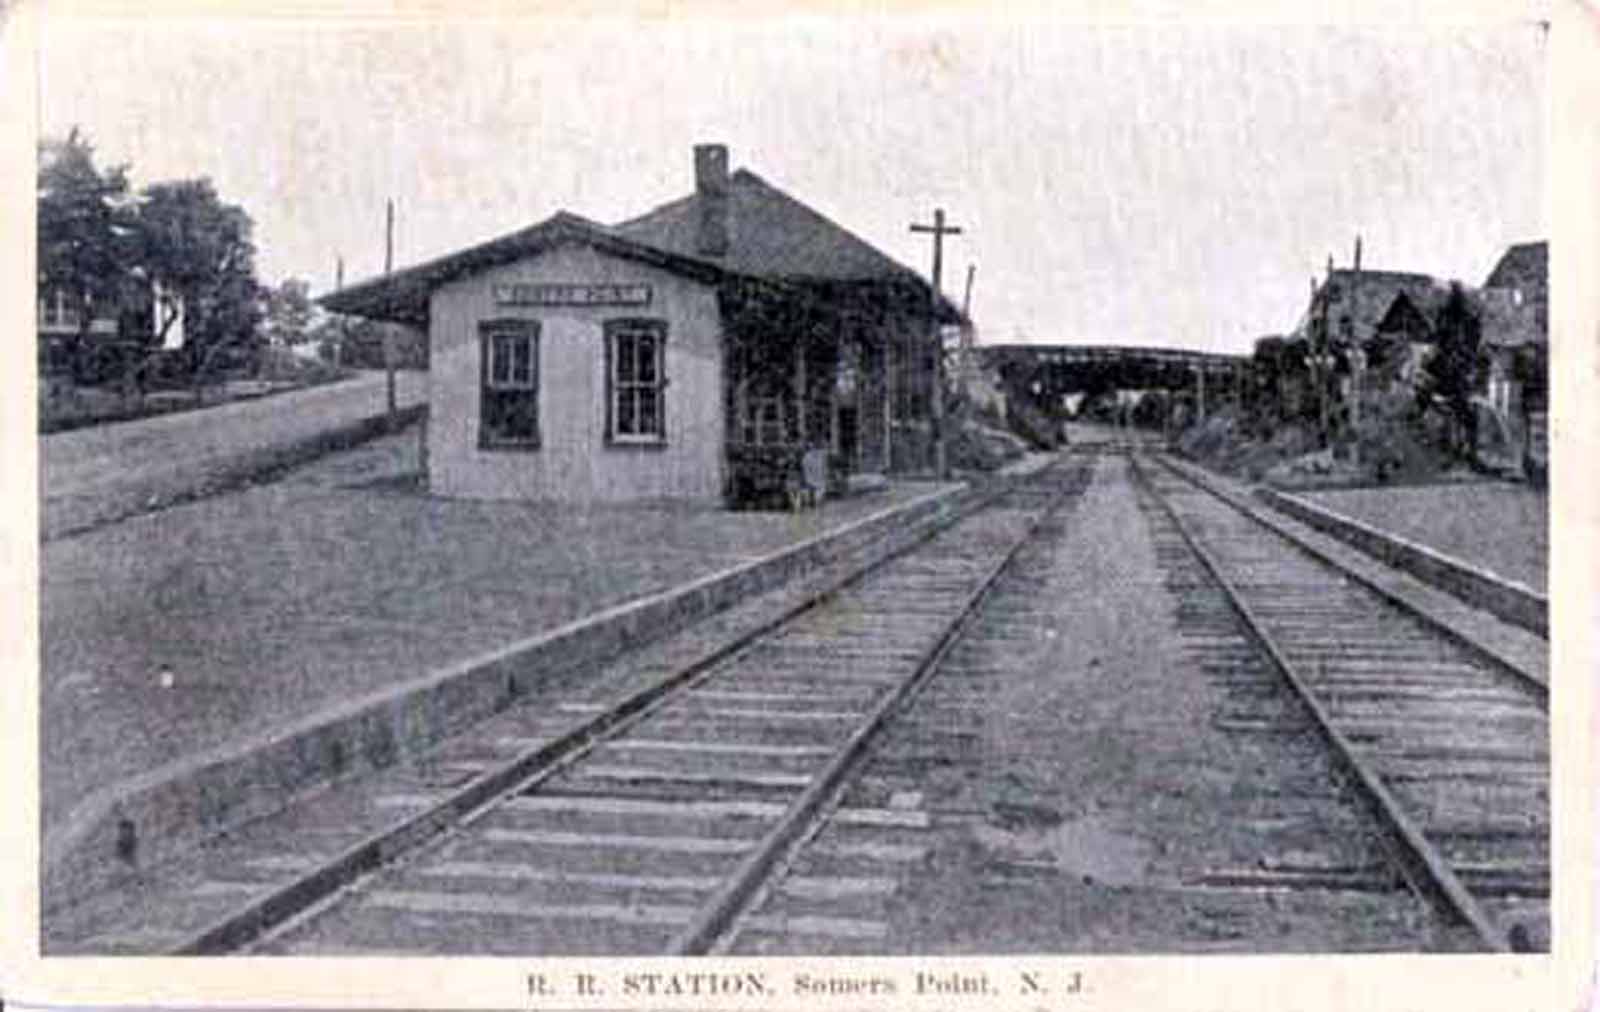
<point>289,312</point>
<point>1451,372</point>
<point>200,252</point>
<point>1281,380</point>
<point>85,223</point>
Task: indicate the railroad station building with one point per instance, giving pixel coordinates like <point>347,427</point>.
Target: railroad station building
<point>732,346</point>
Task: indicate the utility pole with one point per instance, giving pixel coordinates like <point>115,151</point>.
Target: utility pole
<point>939,230</point>
<point>1324,360</point>
<point>344,327</point>
<point>388,328</point>
<point>968,337</point>
<point>1357,361</point>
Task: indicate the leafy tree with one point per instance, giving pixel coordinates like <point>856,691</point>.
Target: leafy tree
<point>85,228</point>
<point>1451,372</point>
<point>1282,388</point>
<point>289,312</point>
<point>200,250</point>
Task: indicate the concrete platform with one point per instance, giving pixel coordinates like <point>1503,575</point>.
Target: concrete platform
<point>1496,526</point>
<point>1375,533</point>
<point>1509,644</point>
<point>202,663</point>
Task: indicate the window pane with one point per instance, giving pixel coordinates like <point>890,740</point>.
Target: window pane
<point>624,353</point>
<point>499,360</point>
<point>648,423</point>
<point>510,415</point>
<point>626,414</point>
<point>647,358</point>
<point>522,360</point>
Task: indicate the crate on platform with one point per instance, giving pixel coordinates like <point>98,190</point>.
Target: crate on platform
<point>777,476</point>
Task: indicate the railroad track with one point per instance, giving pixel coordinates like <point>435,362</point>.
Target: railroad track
<point>1447,748</point>
<point>655,833</point>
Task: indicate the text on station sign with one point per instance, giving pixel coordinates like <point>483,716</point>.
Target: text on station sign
<point>572,295</point>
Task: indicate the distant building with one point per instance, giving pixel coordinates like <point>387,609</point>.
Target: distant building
<point>1386,315</point>
<point>59,316</point>
<point>706,349</point>
<point>1515,332</point>
<point>118,331</point>
<point>1523,272</point>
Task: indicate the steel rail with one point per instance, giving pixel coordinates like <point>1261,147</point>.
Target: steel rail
<point>796,825</point>
<point>1420,861</point>
<point>1523,679</point>
<point>311,890</point>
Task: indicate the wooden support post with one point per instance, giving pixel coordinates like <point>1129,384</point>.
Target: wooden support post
<point>833,390</point>
<point>802,422</point>
<point>886,359</point>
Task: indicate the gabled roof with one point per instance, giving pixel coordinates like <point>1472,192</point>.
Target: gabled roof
<point>1366,298</point>
<point>403,295</point>
<point>770,235</point>
<point>1521,263</point>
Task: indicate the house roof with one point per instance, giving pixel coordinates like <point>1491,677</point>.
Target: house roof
<point>1366,298</point>
<point>403,295</point>
<point>1521,262</point>
<point>771,236</point>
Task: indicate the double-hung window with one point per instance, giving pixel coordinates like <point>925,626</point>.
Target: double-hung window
<point>509,415</point>
<point>636,382</point>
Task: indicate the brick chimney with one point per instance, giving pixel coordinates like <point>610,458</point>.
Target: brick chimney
<point>711,186</point>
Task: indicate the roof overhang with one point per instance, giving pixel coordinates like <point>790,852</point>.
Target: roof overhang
<point>402,297</point>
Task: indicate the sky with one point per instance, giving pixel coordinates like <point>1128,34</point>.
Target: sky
<point>1167,185</point>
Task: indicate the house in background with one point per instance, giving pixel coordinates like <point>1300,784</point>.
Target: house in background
<point>1523,271</point>
<point>59,317</point>
<point>1393,318</point>
<point>119,331</point>
<point>729,345</point>
<point>1386,315</point>
<point>1515,333</point>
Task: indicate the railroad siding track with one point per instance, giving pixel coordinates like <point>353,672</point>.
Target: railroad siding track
<point>1459,745</point>
<point>1307,835</point>
<point>626,845</point>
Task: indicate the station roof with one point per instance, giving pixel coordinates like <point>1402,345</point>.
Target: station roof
<point>771,237</point>
<point>403,295</point>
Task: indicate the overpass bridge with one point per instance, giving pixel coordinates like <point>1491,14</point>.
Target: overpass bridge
<point>1038,379</point>
<point>1050,371</point>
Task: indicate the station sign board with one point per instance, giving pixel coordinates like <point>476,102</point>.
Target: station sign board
<point>571,295</point>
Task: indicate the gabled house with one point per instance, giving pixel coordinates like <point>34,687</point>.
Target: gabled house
<point>1386,315</point>
<point>1523,271</point>
<point>1515,334</point>
<point>722,346</point>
